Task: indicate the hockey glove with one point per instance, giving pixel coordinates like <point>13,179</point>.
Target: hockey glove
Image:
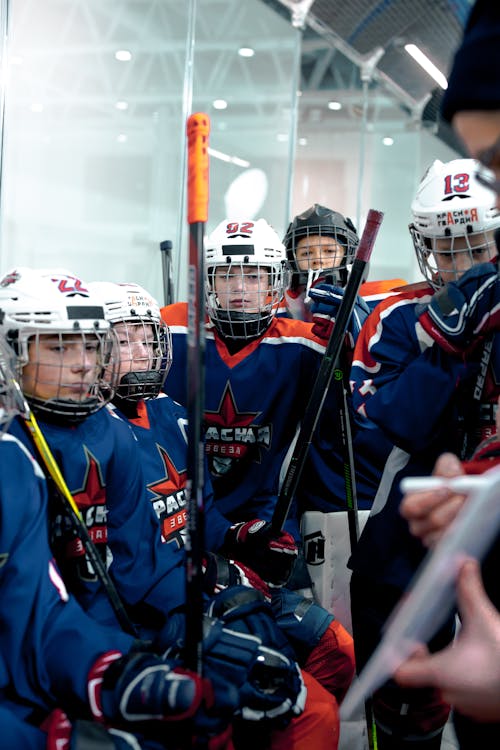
<point>255,544</point>
<point>326,300</point>
<point>62,734</point>
<point>268,681</point>
<point>142,686</point>
<point>247,611</point>
<point>220,573</point>
<point>464,310</point>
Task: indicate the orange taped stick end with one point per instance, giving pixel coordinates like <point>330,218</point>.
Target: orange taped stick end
<point>197,128</point>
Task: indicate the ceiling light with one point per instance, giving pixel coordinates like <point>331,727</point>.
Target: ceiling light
<point>121,105</point>
<point>123,55</point>
<point>426,64</point>
<point>122,138</point>
<point>302,141</point>
<point>282,137</point>
<point>246,52</point>
<point>219,104</point>
<point>387,141</point>
<point>226,157</point>
<point>334,105</point>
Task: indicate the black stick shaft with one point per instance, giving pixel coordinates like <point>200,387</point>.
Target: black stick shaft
<point>166,265</point>
<point>324,377</point>
<point>339,376</point>
<point>198,126</point>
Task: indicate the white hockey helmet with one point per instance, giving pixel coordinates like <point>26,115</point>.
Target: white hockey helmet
<point>241,248</point>
<point>454,219</point>
<point>12,401</point>
<point>144,338</point>
<point>54,302</point>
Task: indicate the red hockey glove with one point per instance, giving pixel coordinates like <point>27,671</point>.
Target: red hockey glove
<point>326,300</point>
<point>255,544</point>
<point>219,573</point>
<point>62,734</point>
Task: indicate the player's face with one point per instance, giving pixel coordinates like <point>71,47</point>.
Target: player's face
<point>136,347</point>
<point>61,366</point>
<point>240,287</point>
<point>315,252</point>
<point>455,256</point>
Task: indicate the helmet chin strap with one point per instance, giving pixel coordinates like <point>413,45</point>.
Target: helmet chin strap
<point>312,277</point>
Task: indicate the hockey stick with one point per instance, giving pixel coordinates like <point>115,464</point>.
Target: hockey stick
<point>166,265</point>
<point>53,472</point>
<point>325,373</point>
<point>198,127</point>
<point>347,451</point>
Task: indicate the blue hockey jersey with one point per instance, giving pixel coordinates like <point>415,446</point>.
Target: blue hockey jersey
<point>100,461</point>
<point>254,402</point>
<point>41,626</point>
<point>422,399</point>
<point>160,430</point>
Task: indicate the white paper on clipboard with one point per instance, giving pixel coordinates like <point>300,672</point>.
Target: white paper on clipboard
<point>431,596</point>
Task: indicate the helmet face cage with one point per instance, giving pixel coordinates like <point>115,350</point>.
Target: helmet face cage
<point>145,342</point>
<point>454,221</point>
<point>320,243</point>
<point>245,278</point>
<point>145,347</point>
<point>69,375</point>
<point>12,401</point>
<point>66,350</point>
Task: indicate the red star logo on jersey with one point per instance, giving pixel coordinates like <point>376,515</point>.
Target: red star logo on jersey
<point>91,501</point>
<point>169,499</point>
<point>227,414</point>
<point>232,434</point>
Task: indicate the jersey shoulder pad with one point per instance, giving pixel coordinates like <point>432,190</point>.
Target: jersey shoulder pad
<point>175,314</point>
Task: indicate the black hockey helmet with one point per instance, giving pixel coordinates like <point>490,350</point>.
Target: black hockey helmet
<point>320,221</point>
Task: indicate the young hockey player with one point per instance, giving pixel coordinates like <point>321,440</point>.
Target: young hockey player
<point>259,371</point>
<point>425,371</point>
<point>321,244</point>
<point>159,425</point>
<point>51,653</point>
<point>65,357</point>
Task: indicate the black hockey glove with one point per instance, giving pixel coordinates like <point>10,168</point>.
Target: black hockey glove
<point>255,544</point>
<point>268,682</point>
<point>464,311</point>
